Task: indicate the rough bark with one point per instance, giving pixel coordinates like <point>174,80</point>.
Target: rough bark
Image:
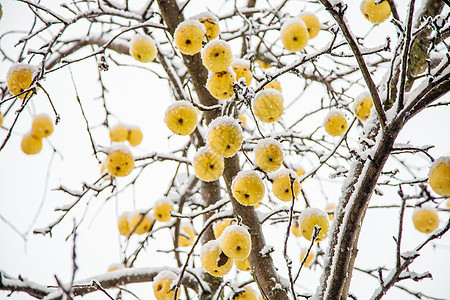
<point>263,268</point>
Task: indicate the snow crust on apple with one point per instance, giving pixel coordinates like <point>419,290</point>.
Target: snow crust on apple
<point>360,98</point>
<point>210,246</point>
<point>163,201</point>
<point>242,174</point>
<point>266,143</point>
<point>119,147</point>
<point>310,211</point>
<point>443,159</point>
<point>126,214</point>
<point>141,37</point>
<point>235,228</point>
<point>224,120</point>
<point>214,43</point>
<point>180,103</point>
<point>423,208</point>
<point>201,151</point>
<point>290,21</point>
<point>191,23</point>
<point>283,172</point>
<point>205,15</point>
<point>165,275</point>
<point>267,92</point>
<point>21,66</point>
<point>334,113</point>
<point>241,62</point>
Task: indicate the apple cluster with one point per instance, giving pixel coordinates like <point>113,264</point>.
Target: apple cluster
<point>41,127</point>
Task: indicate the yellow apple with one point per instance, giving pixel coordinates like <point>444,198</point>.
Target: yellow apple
<point>220,84</point>
<point>268,155</point>
<point>143,48</point>
<point>162,210</point>
<point>219,226</point>
<point>214,261</point>
<point>162,284</point>
<point>439,176</point>
<point>312,24</point>
<point>224,136</point>
<point>181,117</point>
<point>42,126</point>
<point>311,217</point>
<point>217,56</point>
<point>282,187</point>
<point>189,37</point>
<point>19,79</point>
<point>248,188</point>
<point>236,242</point>
<point>335,123</point>
<point>135,136</point>
<point>362,106</point>
<point>242,70</point>
<point>211,23</point>
<point>294,34</point>
<point>425,220</point>
<point>118,133</point>
<point>31,144</point>
<point>376,14</point>
<point>120,161</point>
<point>268,105</point>
<point>207,165</point>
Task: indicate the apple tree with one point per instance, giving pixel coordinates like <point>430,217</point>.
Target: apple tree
<point>281,130</point>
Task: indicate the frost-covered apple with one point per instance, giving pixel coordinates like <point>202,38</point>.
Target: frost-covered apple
<point>217,56</point>
<point>123,224</point>
<point>274,84</point>
<point>220,84</point>
<point>248,188</point>
<point>425,219</point>
<point>362,106</point>
<point>140,223</point>
<point>268,155</point>
<point>162,286</point>
<point>294,34</point>
<point>312,24</point>
<point>224,136</point>
<point>211,23</point>
<point>242,69</point>
<point>214,261</point>
<point>236,242</point>
<point>162,210</point>
<point>219,226</point>
<point>19,79</point>
<point>207,165</point>
<point>268,105</point>
<point>439,176</point>
<point>143,48</point>
<point>295,229</point>
<point>243,119</point>
<point>311,217</point>
<point>181,117</point>
<point>189,37</point>
<point>309,259</point>
<point>186,236</point>
<point>120,161</point>
<point>281,186</point>
<point>243,265</point>
<point>335,123</point>
<point>376,13</point>
<point>42,126</point>
<point>247,294</point>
